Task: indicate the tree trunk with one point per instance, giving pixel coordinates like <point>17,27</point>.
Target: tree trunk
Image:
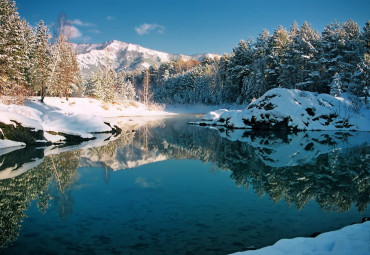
<point>42,94</point>
<point>66,93</point>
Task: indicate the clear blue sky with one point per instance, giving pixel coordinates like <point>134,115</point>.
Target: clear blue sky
<point>188,26</point>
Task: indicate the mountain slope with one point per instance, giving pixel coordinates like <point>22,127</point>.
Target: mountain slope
<point>123,56</point>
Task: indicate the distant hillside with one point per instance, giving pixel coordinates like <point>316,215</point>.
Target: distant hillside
<point>123,56</point>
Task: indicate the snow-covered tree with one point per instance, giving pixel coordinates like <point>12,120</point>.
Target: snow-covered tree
<point>41,58</point>
<point>94,87</point>
<point>300,60</point>
<point>66,68</point>
<point>238,67</point>
<point>336,86</point>
<point>13,50</point>
<point>342,51</point>
<point>109,85</point>
<point>125,89</point>
<point>279,46</point>
<point>255,85</point>
<point>366,36</point>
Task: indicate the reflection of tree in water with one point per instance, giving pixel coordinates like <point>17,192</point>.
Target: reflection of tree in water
<point>336,179</point>
<point>49,180</point>
<point>336,184</point>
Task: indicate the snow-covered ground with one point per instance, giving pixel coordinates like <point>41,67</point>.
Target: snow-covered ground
<point>353,239</point>
<point>78,116</point>
<point>292,109</point>
<point>84,116</point>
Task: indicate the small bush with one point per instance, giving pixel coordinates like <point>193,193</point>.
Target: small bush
<point>131,103</point>
<point>156,107</point>
<point>105,106</point>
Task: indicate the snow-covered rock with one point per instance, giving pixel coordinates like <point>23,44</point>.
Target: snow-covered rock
<point>292,109</point>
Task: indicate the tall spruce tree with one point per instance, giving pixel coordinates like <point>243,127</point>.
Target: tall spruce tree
<point>279,45</point>
<point>238,68</point>
<point>41,58</point>
<point>13,51</point>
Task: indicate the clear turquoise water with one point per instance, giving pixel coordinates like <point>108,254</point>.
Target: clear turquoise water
<point>175,206</point>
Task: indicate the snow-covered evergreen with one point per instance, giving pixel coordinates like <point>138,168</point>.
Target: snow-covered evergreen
<point>14,50</point>
<point>300,58</point>
<point>41,59</point>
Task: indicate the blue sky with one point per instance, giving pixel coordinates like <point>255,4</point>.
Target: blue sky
<point>188,26</point>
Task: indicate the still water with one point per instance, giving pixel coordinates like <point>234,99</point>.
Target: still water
<point>170,188</point>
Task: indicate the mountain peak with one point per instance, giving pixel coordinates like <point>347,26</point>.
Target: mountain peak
<point>123,56</point>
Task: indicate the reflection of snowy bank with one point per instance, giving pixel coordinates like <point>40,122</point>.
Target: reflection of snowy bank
<point>20,160</point>
<point>278,149</point>
<point>352,239</point>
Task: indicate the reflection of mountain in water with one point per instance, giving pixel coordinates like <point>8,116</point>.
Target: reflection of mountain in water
<point>332,168</point>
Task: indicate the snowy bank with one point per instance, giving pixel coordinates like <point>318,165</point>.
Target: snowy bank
<point>57,120</point>
<point>292,109</point>
<point>352,239</point>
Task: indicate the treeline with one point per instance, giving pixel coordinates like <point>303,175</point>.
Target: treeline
<point>335,61</point>
<point>29,63</point>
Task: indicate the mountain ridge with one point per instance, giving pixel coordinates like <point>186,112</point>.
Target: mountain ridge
<point>123,56</point>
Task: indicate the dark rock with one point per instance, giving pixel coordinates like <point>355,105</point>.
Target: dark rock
<point>315,234</point>
<point>29,136</point>
<point>309,147</point>
<point>271,124</point>
<point>310,111</point>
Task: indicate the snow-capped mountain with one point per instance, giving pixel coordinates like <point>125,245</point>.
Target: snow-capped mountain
<point>123,56</point>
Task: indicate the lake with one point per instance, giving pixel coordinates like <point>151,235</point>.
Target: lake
<point>171,188</point>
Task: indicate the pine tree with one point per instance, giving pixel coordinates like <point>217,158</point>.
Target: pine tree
<point>330,58</point>
<point>41,58</point>
<point>342,51</point>
<point>288,77</point>
<point>13,50</point>
<point>279,45</point>
<point>366,36</point>
<point>258,83</point>
<point>94,87</point>
<point>109,85</point>
<point>303,55</point>
<point>353,51</point>
<point>336,85</point>
<point>124,87</point>
<point>238,68</point>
